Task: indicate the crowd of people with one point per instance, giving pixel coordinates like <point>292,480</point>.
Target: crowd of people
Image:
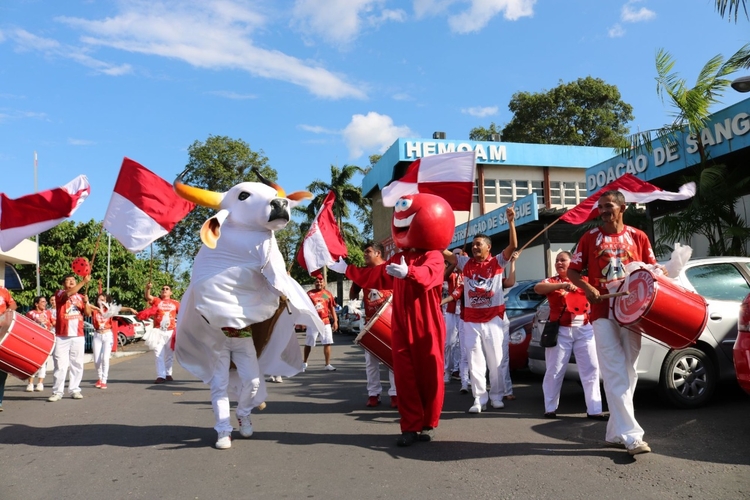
<point>448,321</point>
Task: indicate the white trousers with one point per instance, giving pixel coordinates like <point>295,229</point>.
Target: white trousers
<point>484,342</point>
<point>617,349</point>
<point>68,354</point>
<point>507,384</point>
<point>372,368</point>
<point>578,340</point>
<point>252,391</point>
<point>164,355</point>
<point>41,372</point>
<point>101,344</point>
<point>463,365</point>
<point>452,342</point>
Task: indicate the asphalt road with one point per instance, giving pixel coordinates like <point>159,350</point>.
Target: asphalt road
<point>316,439</point>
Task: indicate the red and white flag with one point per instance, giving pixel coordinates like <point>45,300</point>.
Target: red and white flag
<point>634,190</point>
<point>35,213</point>
<point>448,175</point>
<point>143,208</point>
<point>323,244</point>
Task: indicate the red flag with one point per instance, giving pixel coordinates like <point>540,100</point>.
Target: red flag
<point>143,208</point>
<point>35,213</point>
<point>634,190</point>
<point>448,175</point>
<point>323,244</point>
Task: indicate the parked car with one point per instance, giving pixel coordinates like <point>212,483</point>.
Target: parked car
<point>521,298</point>
<point>88,334</point>
<point>128,328</point>
<point>351,317</point>
<point>742,346</point>
<point>521,302</point>
<point>687,377</point>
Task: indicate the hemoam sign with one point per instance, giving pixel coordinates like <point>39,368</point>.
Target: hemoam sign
<point>496,222</point>
<point>727,131</point>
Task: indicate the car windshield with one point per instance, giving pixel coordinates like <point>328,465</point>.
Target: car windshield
<point>720,281</point>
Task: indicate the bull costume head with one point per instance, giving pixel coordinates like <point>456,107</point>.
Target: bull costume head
<point>422,221</point>
<point>256,205</point>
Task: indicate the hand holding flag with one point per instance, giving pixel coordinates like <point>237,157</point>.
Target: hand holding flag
<point>323,244</point>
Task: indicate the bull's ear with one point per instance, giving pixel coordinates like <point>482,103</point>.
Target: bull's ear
<point>211,229</point>
<point>296,197</point>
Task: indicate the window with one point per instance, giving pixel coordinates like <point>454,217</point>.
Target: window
<point>522,189</point>
<point>538,188</point>
<point>554,193</point>
<point>475,194</point>
<point>490,191</point>
<point>506,191</point>
<point>718,281</point>
<point>570,191</point>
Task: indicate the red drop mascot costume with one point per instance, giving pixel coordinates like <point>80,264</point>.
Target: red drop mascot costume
<point>422,227</point>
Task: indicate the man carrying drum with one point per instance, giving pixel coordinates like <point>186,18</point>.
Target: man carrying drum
<point>373,300</point>
<point>6,302</point>
<point>605,251</point>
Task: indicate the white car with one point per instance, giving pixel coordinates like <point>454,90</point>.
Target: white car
<point>351,317</point>
<point>687,377</point>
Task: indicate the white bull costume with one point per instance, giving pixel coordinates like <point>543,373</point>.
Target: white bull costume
<point>239,281</point>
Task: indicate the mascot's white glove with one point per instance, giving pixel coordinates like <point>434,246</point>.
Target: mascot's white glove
<point>398,270</point>
<point>339,266</point>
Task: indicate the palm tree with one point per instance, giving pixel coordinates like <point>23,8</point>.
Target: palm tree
<point>711,212</point>
<point>731,6</point>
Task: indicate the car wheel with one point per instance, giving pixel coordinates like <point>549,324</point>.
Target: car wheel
<point>121,339</point>
<point>688,378</point>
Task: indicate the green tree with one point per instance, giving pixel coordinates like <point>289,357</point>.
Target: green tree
<point>484,134</point>
<point>730,7</point>
<point>586,112</point>
<point>711,212</point>
<point>216,164</point>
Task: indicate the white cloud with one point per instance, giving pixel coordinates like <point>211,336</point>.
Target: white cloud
<point>228,94</point>
<point>340,21</point>
<point>10,114</point>
<point>212,35</point>
<point>478,14</point>
<point>372,133</point>
<point>480,112</point>
<point>630,14</point>
<point>616,31</point>
<point>317,129</point>
<point>80,142</point>
<point>402,96</point>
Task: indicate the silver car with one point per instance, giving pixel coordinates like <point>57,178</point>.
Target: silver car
<point>687,377</point>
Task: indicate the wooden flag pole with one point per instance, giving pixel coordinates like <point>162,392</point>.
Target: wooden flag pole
<point>93,257</point>
<point>537,235</point>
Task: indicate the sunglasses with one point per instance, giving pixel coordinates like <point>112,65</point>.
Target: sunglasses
<point>165,288</point>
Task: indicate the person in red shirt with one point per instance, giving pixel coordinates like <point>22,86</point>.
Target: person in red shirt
<point>451,315</point>
<point>6,302</point>
<point>575,335</point>
<point>70,342</point>
<point>41,315</point>
<point>165,318</point>
<point>324,303</point>
<point>604,252</point>
<point>373,299</point>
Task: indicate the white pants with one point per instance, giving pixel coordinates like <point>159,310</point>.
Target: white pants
<point>484,342</point>
<point>463,366</point>
<point>102,347</point>
<point>68,354</point>
<point>507,384</point>
<point>579,340</point>
<point>452,343</point>
<point>252,391</point>
<point>617,349</point>
<point>372,368</point>
<point>164,355</point>
<point>41,372</point>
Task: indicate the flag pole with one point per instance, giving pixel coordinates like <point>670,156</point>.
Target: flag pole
<point>36,190</point>
<point>93,257</point>
<point>537,235</point>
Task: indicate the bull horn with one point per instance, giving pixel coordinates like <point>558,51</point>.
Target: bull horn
<point>202,197</point>
<point>279,190</point>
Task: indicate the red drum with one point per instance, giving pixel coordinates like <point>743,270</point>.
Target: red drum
<point>376,336</point>
<point>24,345</point>
<point>658,308</point>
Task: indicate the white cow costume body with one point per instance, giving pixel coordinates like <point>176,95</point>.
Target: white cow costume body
<point>238,278</point>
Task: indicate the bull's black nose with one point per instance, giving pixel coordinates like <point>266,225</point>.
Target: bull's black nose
<point>279,209</point>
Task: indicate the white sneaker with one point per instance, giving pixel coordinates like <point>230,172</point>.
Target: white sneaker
<point>464,389</point>
<point>638,447</point>
<point>278,379</point>
<point>39,387</point>
<point>304,366</point>
<point>246,427</point>
<point>330,368</point>
<point>77,395</point>
<point>477,407</point>
<point>447,378</point>
<point>30,388</point>
<point>54,397</point>
<point>225,440</point>
<point>497,404</point>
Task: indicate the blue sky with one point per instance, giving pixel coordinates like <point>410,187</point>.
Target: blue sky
<point>309,82</point>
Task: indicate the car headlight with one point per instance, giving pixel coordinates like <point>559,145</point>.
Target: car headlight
<point>518,336</point>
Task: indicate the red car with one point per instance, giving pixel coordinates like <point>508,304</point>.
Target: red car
<point>741,350</point>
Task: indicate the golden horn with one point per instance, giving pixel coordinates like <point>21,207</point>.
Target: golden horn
<point>202,197</point>
<point>279,190</point>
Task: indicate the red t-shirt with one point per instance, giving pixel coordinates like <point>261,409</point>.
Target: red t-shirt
<point>558,309</point>
<point>69,314</point>
<point>324,304</point>
<point>44,318</point>
<point>6,301</point>
<point>101,323</point>
<point>483,288</point>
<point>166,313</point>
<point>373,300</point>
<point>605,256</point>
<point>454,280</point>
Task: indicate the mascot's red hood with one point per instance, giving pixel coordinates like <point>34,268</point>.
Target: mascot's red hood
<point>422,221</point>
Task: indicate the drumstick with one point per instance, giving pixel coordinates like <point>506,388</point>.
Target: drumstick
<point>612,295</point>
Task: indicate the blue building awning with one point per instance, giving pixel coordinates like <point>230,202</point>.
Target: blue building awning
<point>12,280</point>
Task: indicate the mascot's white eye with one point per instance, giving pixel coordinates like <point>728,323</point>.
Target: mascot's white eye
<point>402,204</point>
<point>243,195</point>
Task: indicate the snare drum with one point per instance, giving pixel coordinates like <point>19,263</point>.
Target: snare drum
<point>24,345</point>
<point>660,309</point>
<point>376,336</point>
